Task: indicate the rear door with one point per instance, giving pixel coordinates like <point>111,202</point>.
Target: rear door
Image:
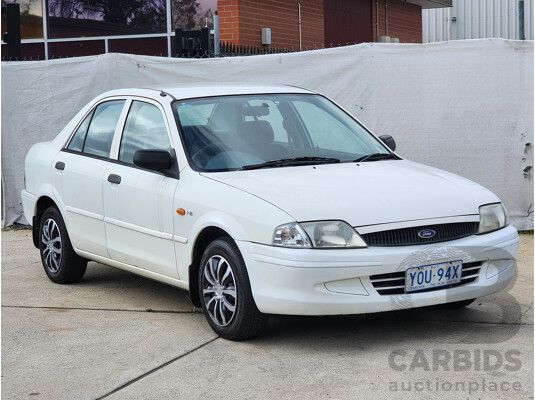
<point>79,171</point>
<point>138,203</point>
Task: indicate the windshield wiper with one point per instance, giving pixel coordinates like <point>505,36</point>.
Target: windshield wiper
<point>376,156</point>
<point>284,162</point>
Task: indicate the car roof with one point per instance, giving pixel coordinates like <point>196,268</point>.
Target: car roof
<point>192,90</point>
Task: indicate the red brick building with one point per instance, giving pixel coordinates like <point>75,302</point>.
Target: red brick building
<point>324,23</point>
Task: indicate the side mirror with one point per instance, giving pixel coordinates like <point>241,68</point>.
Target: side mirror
<point>389,141</point>
<point>156,160</point>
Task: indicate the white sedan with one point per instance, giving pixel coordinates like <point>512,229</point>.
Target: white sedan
<point>260,199</point>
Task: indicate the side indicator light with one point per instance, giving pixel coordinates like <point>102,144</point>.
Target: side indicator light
<point>181,211</point>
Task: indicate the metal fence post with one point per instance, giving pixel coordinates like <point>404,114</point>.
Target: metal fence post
<point>178,42</point>
<point>217,49</point>
<point>205,42</point>
<point>521,33</point>
<point>12,36</point>
<point>189,47</point>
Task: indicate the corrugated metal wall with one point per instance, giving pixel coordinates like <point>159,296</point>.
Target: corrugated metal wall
<point>474,19</point>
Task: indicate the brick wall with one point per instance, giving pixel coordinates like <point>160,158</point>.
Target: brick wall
<point>404,21</point>
<point>241,22</point>
<point>229,30</point>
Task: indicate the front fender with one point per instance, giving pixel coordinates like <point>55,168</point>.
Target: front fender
<point>209,203</point>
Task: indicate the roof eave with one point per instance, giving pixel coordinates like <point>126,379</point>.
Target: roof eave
<point>432,3</point>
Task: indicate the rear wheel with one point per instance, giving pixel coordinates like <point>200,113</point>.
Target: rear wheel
<point>456,304</point>
<point>61,263</point>
<point>225,293</point>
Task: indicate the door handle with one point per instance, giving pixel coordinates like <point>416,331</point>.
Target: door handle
<point>60,165</point>
<point>114,179</point>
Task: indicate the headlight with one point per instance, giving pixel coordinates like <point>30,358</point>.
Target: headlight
<point>290,235</point>
<point>324,234</point>
<point>492,217</point>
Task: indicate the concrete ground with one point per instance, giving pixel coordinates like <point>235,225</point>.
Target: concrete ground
<point>118,336</point>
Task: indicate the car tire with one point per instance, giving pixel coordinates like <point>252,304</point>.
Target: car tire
<point>225,292</point>
<point>456,305</point>
<point>61,263</point>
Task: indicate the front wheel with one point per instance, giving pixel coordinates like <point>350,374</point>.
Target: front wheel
<point>61,263</point>
<point>225,292</point>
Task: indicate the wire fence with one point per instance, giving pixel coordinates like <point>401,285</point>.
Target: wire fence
<point>61,57</point>
<point>231,49</point>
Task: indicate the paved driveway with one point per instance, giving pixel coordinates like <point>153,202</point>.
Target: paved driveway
<point>118,336</point>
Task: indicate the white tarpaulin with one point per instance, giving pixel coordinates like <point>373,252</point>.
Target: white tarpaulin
<point>463,106</point>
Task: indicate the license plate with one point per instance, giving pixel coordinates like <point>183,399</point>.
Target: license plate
<point>432,276</point>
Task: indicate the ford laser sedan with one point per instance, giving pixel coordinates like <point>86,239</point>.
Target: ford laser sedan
<point>260,200</point>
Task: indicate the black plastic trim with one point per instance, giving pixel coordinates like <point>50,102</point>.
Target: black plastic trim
<point>409,236</point>
<point>112,178</point>
<point>172,172</point>
<point>35,230</point>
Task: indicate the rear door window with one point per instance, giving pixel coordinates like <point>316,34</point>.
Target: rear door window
<point>77,141</point>
<point>100,133</point>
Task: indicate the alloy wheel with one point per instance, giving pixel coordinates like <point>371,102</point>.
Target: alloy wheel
<point>52,246</point>
<point>219,290</point>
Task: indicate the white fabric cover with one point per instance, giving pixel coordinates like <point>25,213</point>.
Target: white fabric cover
<point>463,106</point>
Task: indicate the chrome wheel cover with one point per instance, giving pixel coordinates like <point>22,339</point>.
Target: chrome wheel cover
<point>219,290</point>
<point>52,246</point>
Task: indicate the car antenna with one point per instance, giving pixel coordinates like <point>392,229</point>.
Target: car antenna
<point>164,94</point>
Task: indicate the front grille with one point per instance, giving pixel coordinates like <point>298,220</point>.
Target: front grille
<point>394,283</point>
<point>409,236</point>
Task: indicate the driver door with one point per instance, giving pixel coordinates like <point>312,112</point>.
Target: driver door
<point>138,203</point>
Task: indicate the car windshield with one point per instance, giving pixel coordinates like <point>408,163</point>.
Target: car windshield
<point>271,130</point>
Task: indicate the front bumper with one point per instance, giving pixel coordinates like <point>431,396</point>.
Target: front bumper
<point>333,282</point>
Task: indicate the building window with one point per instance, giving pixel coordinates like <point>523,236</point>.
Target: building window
<point>79,18</point>
<point>88,27</point>
<point>192,14</point>
<point>31,18</point>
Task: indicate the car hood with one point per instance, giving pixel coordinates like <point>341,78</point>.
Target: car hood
<point>361,194</point>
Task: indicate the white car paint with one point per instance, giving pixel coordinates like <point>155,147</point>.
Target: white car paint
<point>397,190</point>
<point>80,189</point>
<point>332,282</point>
<point>135,226</point>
